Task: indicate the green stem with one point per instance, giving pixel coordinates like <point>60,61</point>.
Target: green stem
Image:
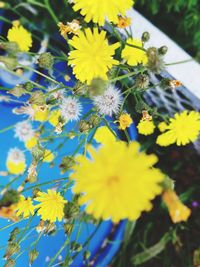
<point>180,62</point>
<point>124,76</point>
<point>51,12</point>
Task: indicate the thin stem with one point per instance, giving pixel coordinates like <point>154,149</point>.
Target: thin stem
<point>180,62</point>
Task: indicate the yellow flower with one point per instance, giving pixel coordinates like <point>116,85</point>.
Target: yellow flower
<point>123,22</point>
<point>40,113</point>
<point>16,163</point>
<point>134,55</point>
<point>178,212</point>
<point>181,130</point>
<point>99,10</point>
<point>21,36</point>
<point>146,127</point>
<point>93,56</point>
<point>16,168</point>
<point>117,182</point>
<point>162,126</point>
<point>104,136</point>
<point>125,121</point>
<point>54,117</point>
<point>51,205</point>
<point>32,142</point>
<point>48,156</point>
<point>25,207</point>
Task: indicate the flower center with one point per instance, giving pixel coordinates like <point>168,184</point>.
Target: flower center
<point>112,180</point>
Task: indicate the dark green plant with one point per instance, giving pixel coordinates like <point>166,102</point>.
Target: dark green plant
<point>180,19</point>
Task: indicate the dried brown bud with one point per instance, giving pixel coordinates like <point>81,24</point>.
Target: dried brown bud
<point>17,91</point>
<point>33,254</point>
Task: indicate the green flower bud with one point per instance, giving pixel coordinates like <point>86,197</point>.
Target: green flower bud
<point>145,37</point>
<point>10,197</point>
<point>17,91</point>
<point>10,62</point>
<point>75,247</point>
<point>94,120</point>
<point>38,98</point>
<point>66,164</point>
<point>11,47</point>
<point>71,209</point>
<point>163,50</point>
<point>86,255</point>
<point>12,249</point>
<point>10,263</point>
<point>84,126</point>
<point>68,228</point>
<point>97,87</point>
<point>38,153</point>
<point>28,86</point>
<point>155,61</point>
<point>35,192</point>
<point>13,234</point>
<point>33,254</point>
<point>142,81</point>
<point>46,60</point>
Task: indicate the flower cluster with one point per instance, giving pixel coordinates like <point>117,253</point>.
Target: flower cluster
<point>78,103</point>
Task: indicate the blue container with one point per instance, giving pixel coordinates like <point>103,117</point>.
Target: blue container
<point>102,251</point>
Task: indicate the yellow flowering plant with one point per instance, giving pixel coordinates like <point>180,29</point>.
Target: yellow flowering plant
<point>72,157</point>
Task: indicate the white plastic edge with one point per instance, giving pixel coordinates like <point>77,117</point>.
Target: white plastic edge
<point>188,73</point>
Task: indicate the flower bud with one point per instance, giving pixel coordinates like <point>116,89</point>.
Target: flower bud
<point>142,81</point>
<point>28,86</point>
<point>37,98</point>
<point>66,164</point>
<point>71,209</point>
<point>9,61</point>
<point>84,126</point>
<point>38,153</point>
<point>86,255</point>
<point>13,234</point>
<point>17,91</point>
<point>46,60</point>
<point>94,120</point>
<point>155,60</point>
<point>11,47</point>
<point>10,197</point>
<point>75,247</point>
<point>10,263</point>
<point>163,50</point>
<point>145,37</point>
<point>33,254</point>
<point>97,87</point>
<point>68,228</point>
<point>13,248</point>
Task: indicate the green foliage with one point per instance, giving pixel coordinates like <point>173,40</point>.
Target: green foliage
<point>178,18</point>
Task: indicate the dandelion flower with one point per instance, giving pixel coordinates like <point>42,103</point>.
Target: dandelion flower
<point>100,10</point>
<point>178,212</point>
<point>21,36</point>
<point>25,207</point>
<point>123,22</point>
<point>104,136</point>
<point>93,56</point>
<point>109,103</point>
<point>121,190</point>
<point>134,55</point>
<point>70,109</point>
<point>32,142</point>
<point>48,156</point>
<point>125,121</point>
<point>181,130</point>
<point>51,205</point>
<point>16,163</point>
<point>146,127</point>
<point>23,130</point>
<point>54,117</point>
<point>40,113</point>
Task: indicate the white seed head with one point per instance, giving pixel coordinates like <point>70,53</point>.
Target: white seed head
<point>109,103</point>
<point>70,108</point>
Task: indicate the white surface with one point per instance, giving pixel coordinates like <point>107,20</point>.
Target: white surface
<point>188,73</point>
